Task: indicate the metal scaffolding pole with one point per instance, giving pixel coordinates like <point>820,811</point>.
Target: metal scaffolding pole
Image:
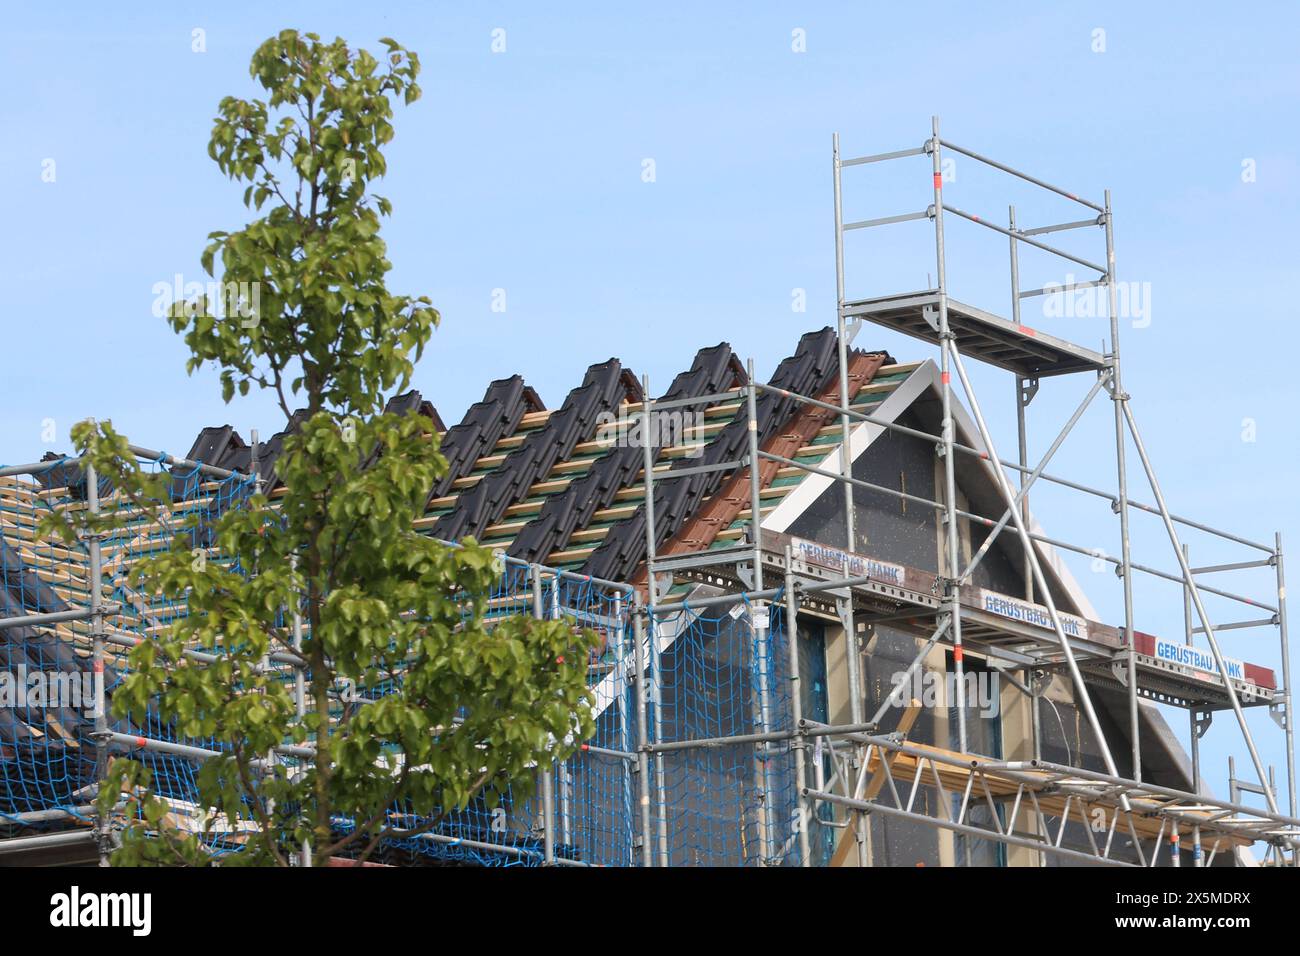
<point>760,631</point>
<point>799,744</point>
<point>625,732</point>
<point>1286,680</point>
<point>755,482</point>
<point>1198,721</point>
<point>846,441</point>
<point>544,769</point>
<point>1201,613</point>
<point>846,452</point>
<point>648,466</point>
<point>96,575</point>
<point>299,681</point>
<point>947,347</point>
<point>643,736</point>
<point>652,598</point>
<point>1120,400</point>
<point>846,462</point>
<point>1024,396</point>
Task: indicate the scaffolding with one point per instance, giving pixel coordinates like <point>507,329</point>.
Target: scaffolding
<point>702,753</point>
<point>943,606</point>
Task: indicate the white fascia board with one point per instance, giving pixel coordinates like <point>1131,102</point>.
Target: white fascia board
<point>860,438</point>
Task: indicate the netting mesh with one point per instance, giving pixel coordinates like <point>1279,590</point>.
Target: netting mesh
<point>719,676</point>
<point>593,790</point>
<point>709,675</point>
<point>48,686</point>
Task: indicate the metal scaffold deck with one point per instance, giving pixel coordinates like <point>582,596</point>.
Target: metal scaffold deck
<point>1028,352</point>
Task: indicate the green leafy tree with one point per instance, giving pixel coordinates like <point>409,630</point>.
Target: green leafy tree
<point>451,708</point>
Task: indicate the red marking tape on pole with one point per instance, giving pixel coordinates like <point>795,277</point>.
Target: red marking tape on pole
<point>140,742</point>
<point>98,667</point>
<point>938,180</point>
<point>956,653</point>
<point>946,378</point>
<point>1026,330</point>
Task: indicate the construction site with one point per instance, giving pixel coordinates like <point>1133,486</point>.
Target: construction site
<point>832,632</point>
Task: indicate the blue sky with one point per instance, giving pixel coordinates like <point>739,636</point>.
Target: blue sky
<point>522,171</point>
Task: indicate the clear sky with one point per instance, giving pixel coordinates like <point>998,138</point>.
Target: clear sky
<point>525,171</point>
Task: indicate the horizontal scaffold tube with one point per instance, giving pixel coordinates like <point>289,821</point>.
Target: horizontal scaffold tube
<point>162,456</point>
<point>136,742</point>
<point>44,840</point>
<point>37,467</point>
<point>1011,170</point>
<point>40,620</point>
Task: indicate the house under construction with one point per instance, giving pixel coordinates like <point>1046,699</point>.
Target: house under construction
<point>832,631</point>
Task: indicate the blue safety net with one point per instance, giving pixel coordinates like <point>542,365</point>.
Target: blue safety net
<point>721,674</point>
<point>49,759</point>
<point>709,675</point>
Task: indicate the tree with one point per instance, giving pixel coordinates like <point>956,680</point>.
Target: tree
<point>453,708</point>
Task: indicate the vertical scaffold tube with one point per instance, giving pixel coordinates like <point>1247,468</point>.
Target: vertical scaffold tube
<point>798,744</point>
<point>1286,680</point>
<point>652,598</point>
<point>845,606</point>
<point>846,453</point>
<point>1022,434</point>
<point>625,735</point>
<point>952,589</point>
<point>1119,399</point>
<point>643,736</point>
<point>299,680</point>
<point>760,632</point>
<point>544,768</point>
<point>96,573</point>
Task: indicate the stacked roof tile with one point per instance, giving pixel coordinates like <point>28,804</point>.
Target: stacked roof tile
<point>714,370</point>
<point>604,388</point>
<point>564,487</point>
<point>504,405</point>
